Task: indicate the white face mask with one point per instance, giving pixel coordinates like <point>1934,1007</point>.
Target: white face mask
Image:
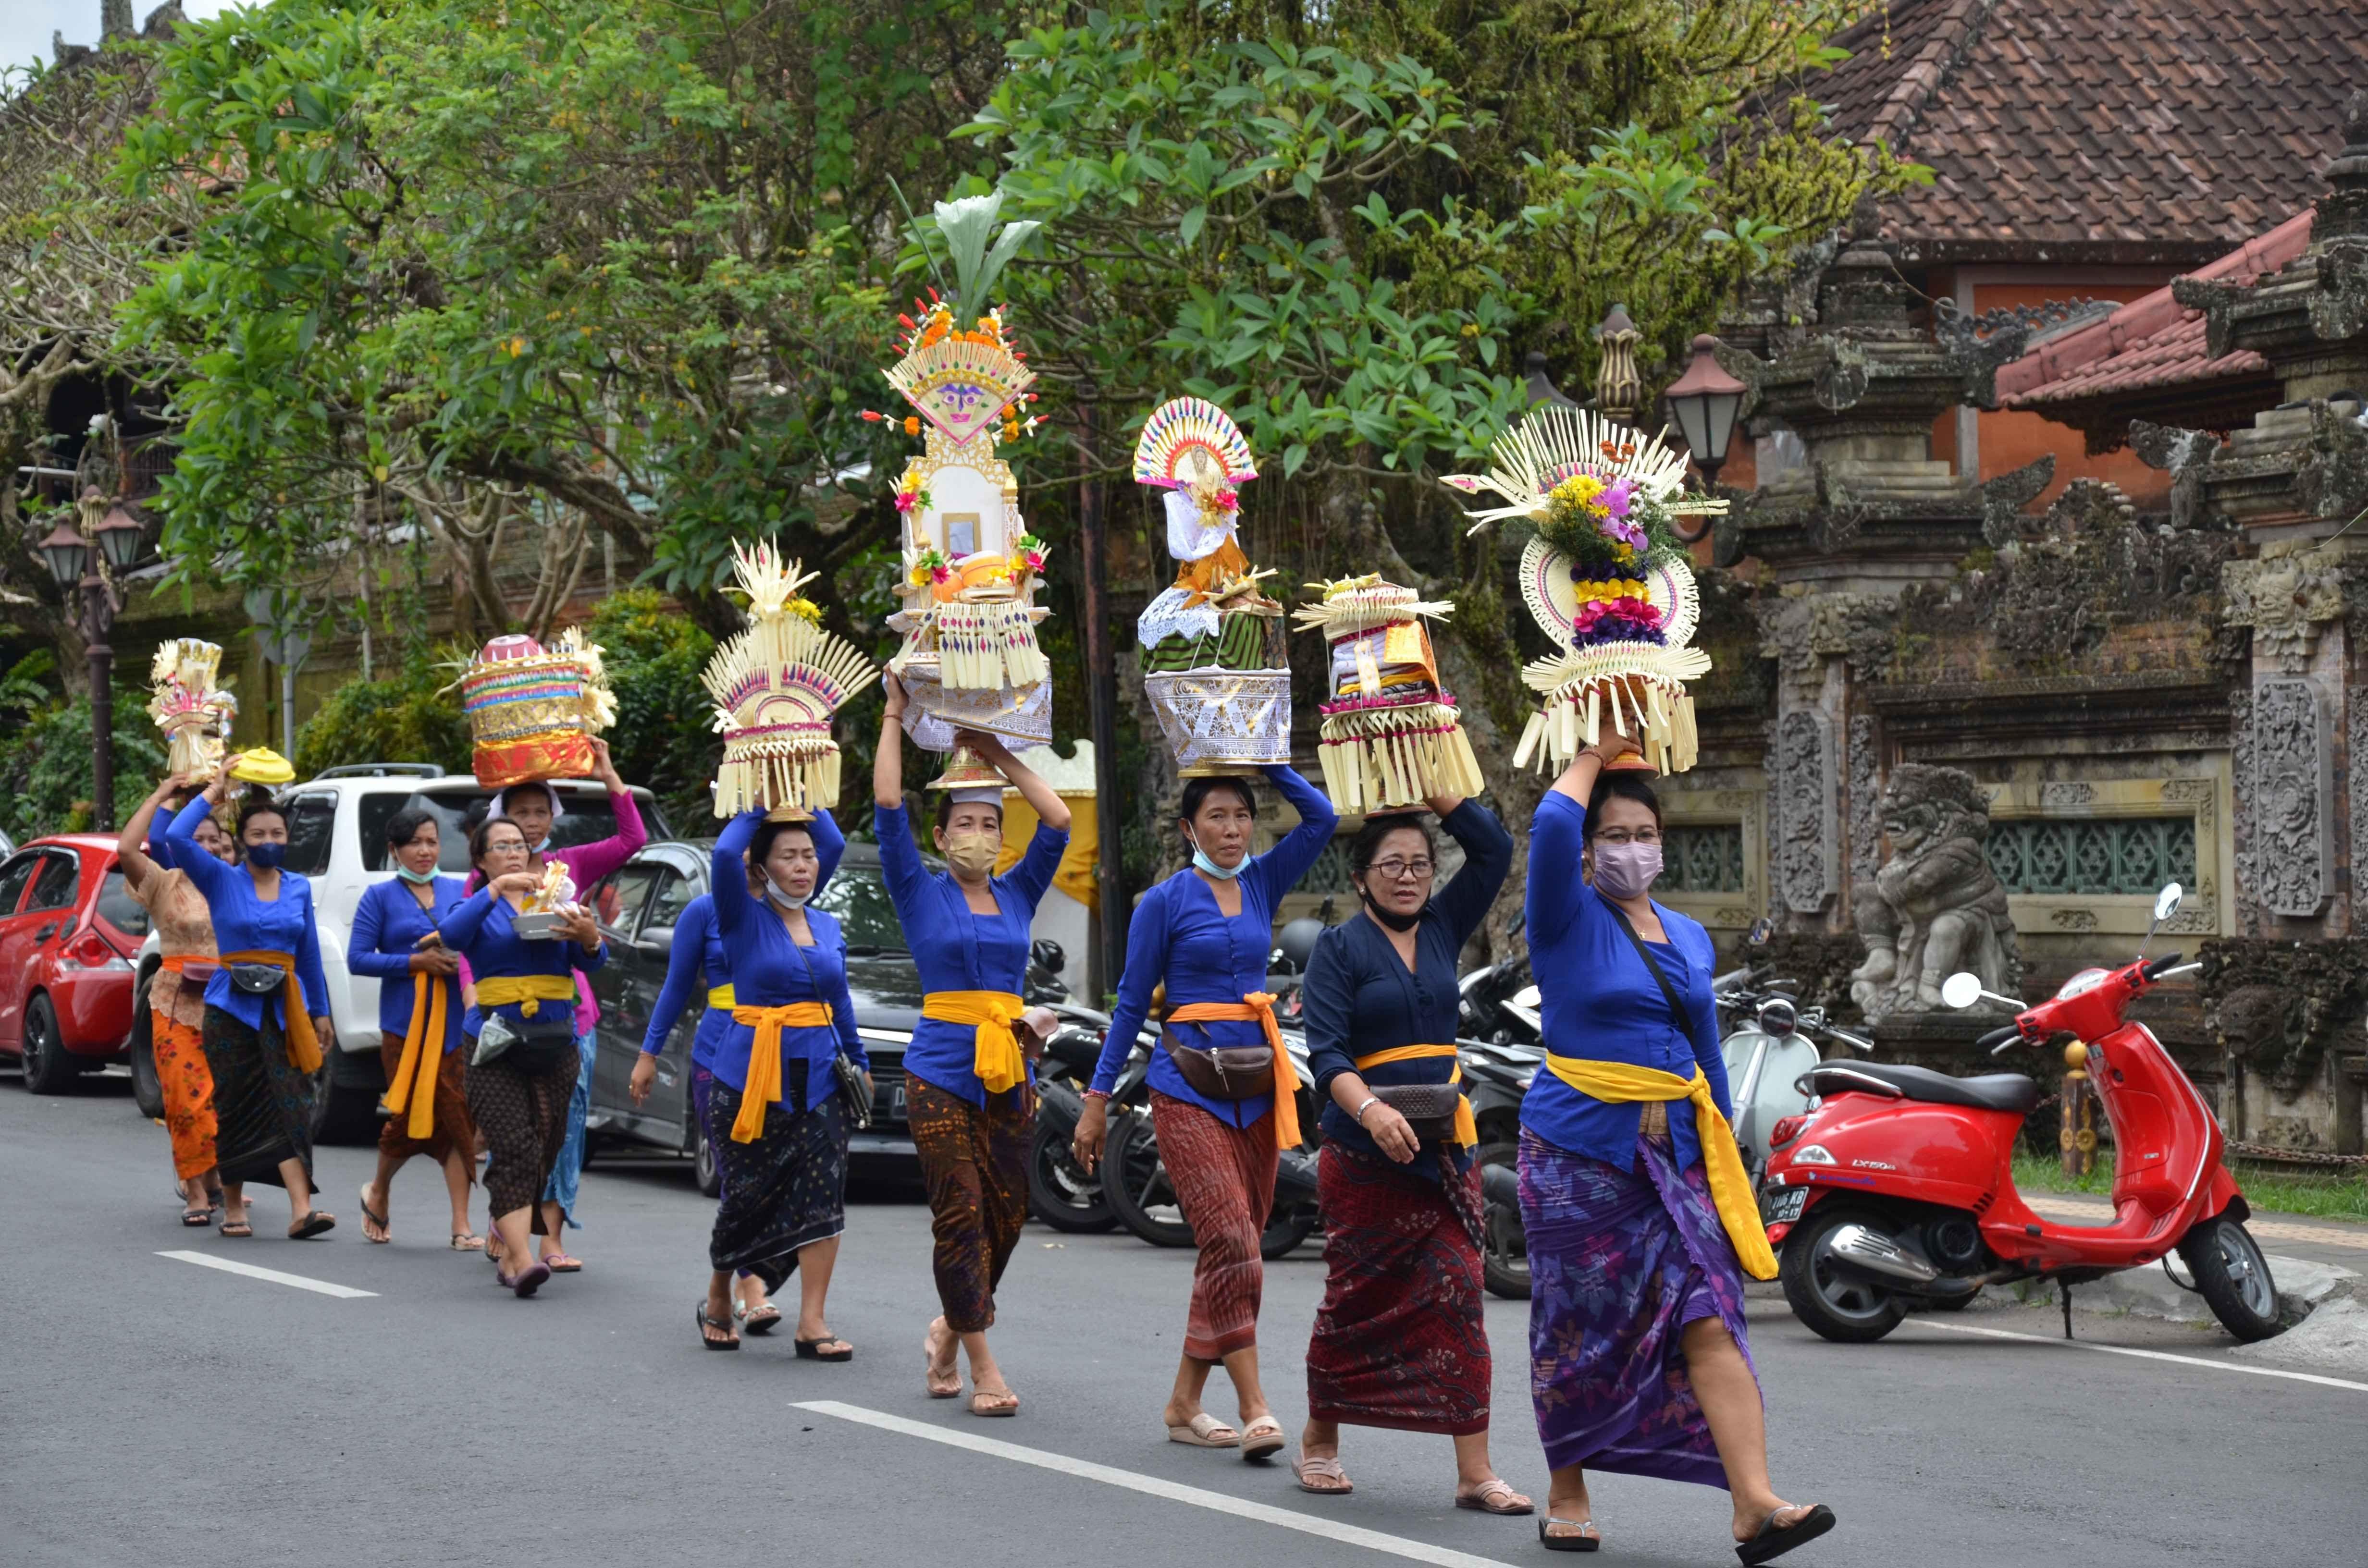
<point>784,897</point>
<point>1222,874</point>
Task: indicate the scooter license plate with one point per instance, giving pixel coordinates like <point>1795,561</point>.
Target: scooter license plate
<point>1780,1205</point>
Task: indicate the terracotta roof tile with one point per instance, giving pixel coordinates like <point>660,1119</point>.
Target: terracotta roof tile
<point>2176,126</point>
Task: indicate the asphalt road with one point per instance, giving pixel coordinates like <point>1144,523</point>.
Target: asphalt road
<point>152,1412</point>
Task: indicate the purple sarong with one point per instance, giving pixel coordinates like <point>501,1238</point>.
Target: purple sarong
<point>1620,1262</point>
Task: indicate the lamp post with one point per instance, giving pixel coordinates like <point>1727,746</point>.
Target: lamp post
<point>1704,402</point>
<point>113,537</point>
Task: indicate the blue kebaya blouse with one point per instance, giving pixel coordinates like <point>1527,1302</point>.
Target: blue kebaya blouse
<point>245,923</point>
<point>956,949</point>
<point>388,924</point>
<point>770,968</point>
<point>480,929</point>
<point>1177,935</point>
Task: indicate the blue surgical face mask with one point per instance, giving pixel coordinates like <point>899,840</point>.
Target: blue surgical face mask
<point>267,856</point>
<point>1202,862</point>
<point>416,879</point>
<point>544,845</point>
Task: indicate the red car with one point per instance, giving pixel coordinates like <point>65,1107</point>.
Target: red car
<point>68,930</point>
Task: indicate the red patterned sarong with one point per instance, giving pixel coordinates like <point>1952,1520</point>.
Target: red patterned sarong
<point>1399,1340</point>
<point>1224,1178</point>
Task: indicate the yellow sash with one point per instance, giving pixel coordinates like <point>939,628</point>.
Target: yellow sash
<point>763,1086</point>
<point>1467,1131</point>
<point>721,996</point>
<point>1259,1006</point>
<point>303,1045</point>
<point>530,991</point>
<point>998,1062</point>
<point>423,1053</point>
<point>1616,1083</point>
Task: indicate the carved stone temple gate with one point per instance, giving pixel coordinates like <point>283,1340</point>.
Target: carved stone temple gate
<point>2135,698</point>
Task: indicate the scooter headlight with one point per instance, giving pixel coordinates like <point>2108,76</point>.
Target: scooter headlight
<point>1812,1155</point>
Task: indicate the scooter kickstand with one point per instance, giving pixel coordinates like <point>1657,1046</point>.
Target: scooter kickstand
<point>2063,1293</point>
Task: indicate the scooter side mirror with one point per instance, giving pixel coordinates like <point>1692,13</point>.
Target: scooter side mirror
<point>1762,931</point>
<point>2167,901</point>
<point>1961,990</point>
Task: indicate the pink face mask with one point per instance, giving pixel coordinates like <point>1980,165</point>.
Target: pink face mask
<point>1626,871</point>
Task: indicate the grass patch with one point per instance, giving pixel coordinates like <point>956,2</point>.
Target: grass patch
<point>2265,1187</point>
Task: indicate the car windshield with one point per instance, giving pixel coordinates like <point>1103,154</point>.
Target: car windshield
<point>119,909</point>
<point>858,895</point>
<point>589,818</point>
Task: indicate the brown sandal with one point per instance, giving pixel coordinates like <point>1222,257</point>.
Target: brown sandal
<point>1003,1403</point>
<point>1494,1496</point>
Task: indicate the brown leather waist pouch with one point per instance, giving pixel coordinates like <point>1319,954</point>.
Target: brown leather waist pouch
<point>1224,1071</point>
<point>1429,1109</point>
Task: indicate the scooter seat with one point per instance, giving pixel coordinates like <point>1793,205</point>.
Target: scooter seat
<point>1991,1091</point>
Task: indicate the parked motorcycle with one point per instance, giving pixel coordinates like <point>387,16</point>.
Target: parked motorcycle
<point>1495,1077</point>
<point>1897,1186</point>
<point>1060,1193</point>
<point>1144,1199</point>
<point>1770,1054</point>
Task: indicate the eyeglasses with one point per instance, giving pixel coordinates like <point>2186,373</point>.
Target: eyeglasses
<point>1622,835</point>
<point>1403,870</point>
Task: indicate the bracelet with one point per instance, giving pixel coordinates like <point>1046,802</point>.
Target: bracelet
<point>1098,1093</point>
<point>1358,1115</point>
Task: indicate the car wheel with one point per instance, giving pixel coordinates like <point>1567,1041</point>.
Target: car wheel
<point>147,1089</point>
<point>703,1167</point>
<point>50,1068</point>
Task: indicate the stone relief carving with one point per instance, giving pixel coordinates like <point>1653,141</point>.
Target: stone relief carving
<point>2356,779</point>
<point>2294,786</point>
<point>2066,796</point>
<point>1805,867</point>
<point>1936,906</point>
<point>2286,597</point>
<point>1866,821</point>
<point>1800,632</point>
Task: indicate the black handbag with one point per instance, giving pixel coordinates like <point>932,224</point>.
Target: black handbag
<point>537,1047</point>
<point>258,979</point>
<point>1429,1109</point>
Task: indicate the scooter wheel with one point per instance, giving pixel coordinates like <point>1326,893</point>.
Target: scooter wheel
<point>1835,1305</point>
<point>2233,1278</point>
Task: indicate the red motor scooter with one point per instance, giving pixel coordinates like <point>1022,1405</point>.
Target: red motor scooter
<point>1897,1186</point>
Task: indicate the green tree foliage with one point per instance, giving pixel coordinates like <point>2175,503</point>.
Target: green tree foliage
<point>45,758</point>
<point>409,716</point>
<point>664,737</point>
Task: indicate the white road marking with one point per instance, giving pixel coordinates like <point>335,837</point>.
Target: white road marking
<point>321,1285</point>
<point>2147,1355</point>
<point>1150,1485</point>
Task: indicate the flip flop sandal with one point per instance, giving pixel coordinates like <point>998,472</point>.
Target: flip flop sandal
<point>236,1228</point>
<point>1568,1542</point>
<point>1200,1432</point>
<point>995,1402</point>
<point>560,1263</point>
<point>311,1225</point>
<point>1261,1438</point>
<point>698,1314</point>
<point>812,1349</point>
<point>1771,1541</point>
<point>931,1375</point>
<point>526,1283</point>
<point>379,1220</point>
<point>763,1321</point>
<point>197,1219</point>
<point>1325,1469</point>
<point>467,1241</point>
<point>1494,1495</point>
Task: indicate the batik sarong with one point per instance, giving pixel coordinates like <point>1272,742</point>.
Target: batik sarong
<point>782,1190</point>
<point>1224,1178</point>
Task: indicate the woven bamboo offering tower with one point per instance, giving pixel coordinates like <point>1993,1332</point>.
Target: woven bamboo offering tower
<point>776,685</point>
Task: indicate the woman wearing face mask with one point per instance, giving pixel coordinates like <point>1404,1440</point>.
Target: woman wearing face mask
<point>419,1023</point>
<point>774,1115</point>
<point>535,809</point>
<point>1399,1341</point>
<point>698,966</point>
<point>969,1096</point>
<point>519,1097</point>
<point>177,1004</point>
<point>1205,933</point>
<point>1639,1217</point>
<point>263,1040</point>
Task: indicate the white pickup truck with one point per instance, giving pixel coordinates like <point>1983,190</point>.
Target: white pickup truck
<point>337,838</point>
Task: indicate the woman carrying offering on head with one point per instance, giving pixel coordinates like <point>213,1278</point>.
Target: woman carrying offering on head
<point>535,808</point>
<point>419,1009</point>
<point>1205,933</point>
<point>969,1096</point>
<point>519,1081</point>
<point>177,1000</point>
<point>1398,1339</point>
<point>773,1112</point>
<point>266,1019</point>
<point>1640,1219</point>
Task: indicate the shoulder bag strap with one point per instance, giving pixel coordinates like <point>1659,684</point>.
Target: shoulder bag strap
<point>1668,992</point>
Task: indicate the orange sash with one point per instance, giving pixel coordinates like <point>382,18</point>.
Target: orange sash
<point>423,1054</point>
<point>1259,1006</point>
<point>303,1045</point>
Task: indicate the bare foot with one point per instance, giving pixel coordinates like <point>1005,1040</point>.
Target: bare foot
<point>938,1373</point>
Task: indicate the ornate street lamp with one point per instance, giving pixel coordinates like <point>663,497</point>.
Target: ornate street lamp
<point>71,557</point>
<point>1704,402</point>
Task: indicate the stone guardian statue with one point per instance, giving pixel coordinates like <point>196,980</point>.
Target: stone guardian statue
<point>1936,906</point>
